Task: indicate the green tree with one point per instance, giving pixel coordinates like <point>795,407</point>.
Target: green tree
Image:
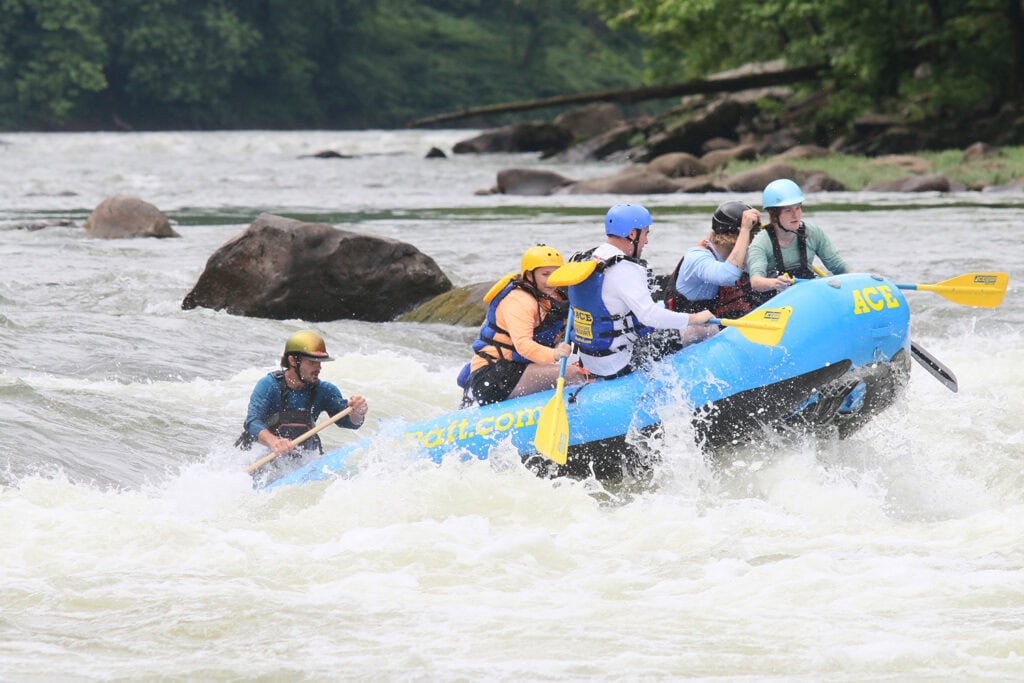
<point>926,56</point>
<point>174,55</point>
<point>294,77</point>
<point>51,55</point>
<point>280,63</point>
<point>448,54</point>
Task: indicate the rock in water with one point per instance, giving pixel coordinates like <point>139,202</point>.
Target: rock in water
<point>282,268</point>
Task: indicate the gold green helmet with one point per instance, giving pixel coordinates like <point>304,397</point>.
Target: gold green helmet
<point>306,343</point>
<point>540,256</point>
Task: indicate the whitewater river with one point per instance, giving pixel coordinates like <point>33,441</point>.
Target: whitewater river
<point>132,546</point>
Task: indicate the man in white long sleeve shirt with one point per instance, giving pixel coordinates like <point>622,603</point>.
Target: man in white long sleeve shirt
<point>614,315</point>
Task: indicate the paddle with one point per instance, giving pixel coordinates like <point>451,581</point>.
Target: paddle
<point>299,439</point>
<point>552,438</point>
<point>572,273</point>
<point>760,326</point>
<point>933,366</point>
<point>971,289</point>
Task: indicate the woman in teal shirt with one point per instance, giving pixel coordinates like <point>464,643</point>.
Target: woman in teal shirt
<point>788,245</point>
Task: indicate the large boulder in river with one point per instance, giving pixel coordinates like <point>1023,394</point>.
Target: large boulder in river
<point>723,156</point>
<point>460,306</point>
<point>718,119</point>
<point>590,120</point>
<point>925,183</point>
<point>755,179</point>
<point>677,165</point>
<point>530,181</point>
<point>520,137</point>
<point>282,268</point>
<point>122,216</point>
<point>639,180</point>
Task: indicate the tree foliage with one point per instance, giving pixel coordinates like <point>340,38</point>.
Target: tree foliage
<point>51,57</point>
<point>166,53</point>
<point>922,56</point>
<point>286,64</point>
<point>380,63</point>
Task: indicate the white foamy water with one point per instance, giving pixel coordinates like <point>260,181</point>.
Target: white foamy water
<point>134,548</point>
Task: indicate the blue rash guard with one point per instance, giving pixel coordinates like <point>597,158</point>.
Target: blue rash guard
<point>265,404</point>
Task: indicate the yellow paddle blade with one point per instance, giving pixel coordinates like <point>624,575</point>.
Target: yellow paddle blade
<point>572,273</point>
<point>761,326</point>
<point>973,289</point>
<point>552,440</point>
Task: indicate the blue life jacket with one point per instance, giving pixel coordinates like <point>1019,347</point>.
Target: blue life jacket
<point>492,334</point>
<point>594,327</point>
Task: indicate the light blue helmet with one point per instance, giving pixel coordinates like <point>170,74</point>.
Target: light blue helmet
<point>781,192</point>
<point>623,218</point>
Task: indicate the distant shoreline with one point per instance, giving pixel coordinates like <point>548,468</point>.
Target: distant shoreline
<point>1005,167</point>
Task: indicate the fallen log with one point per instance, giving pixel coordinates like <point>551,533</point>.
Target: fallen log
<point>699,86</point>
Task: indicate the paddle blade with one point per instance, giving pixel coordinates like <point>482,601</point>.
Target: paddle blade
<point>934,367</point>
<point>552,439</point>
<point>761,326</point>
<point>973,289</point>
<point>572,273</point>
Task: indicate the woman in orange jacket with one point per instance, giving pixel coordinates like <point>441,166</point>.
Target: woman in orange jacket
<point>521,340</point>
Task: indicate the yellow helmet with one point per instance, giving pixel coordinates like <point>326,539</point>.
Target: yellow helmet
<point>540,256</point>
<point>306,343</point>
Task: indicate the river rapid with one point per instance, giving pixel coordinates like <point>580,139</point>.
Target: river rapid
<point>133,547</point>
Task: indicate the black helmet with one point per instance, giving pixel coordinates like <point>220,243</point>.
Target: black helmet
<point>728,217</point>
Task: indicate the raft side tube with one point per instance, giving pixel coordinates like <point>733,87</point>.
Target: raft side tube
<point>736,418</point>
<point>839,324</point>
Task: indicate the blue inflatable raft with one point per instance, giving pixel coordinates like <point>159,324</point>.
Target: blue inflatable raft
<point>844,356</point>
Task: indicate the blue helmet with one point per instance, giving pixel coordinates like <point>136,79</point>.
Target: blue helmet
<point>782,192</point>
<point>623,218</point>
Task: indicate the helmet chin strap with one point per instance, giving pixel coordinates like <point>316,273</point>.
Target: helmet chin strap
<point>792,232</point>
<point>530,280</point>
<point>298,371</point>
<point>636,242</point>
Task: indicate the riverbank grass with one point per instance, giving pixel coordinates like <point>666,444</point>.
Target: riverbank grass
<point>857,172</point>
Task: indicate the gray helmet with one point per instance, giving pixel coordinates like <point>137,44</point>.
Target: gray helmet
<point>728,218</point>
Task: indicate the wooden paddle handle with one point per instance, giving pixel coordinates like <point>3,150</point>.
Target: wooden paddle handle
<point>297,440</point>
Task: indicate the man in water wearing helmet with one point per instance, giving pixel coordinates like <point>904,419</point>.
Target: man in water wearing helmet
<point>788,245</point>
<point>286,403</point>
<point>520,342</point>
<point>614,315</point>
<point>712,274</point>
